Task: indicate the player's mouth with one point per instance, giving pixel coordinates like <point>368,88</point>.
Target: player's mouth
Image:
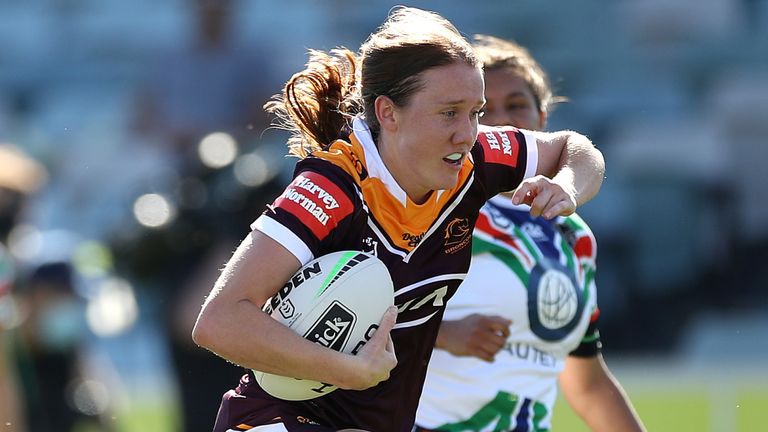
<point>454,159</point>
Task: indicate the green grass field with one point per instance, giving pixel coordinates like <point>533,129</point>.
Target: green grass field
<point>679,399</point>
<point>663,410</point>
<point>667,396</point>
<point>683,411</point>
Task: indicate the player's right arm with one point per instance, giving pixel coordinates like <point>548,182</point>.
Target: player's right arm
<point>552,172</point>
<point>232,325</point>
<point>569,173</point>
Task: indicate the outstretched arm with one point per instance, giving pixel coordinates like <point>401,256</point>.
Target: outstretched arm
<point>569,173</point>
<point>597,397</point>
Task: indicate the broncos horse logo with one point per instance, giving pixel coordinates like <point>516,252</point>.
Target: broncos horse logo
<point>457,234</point>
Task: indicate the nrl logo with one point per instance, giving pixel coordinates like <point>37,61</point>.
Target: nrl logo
<point>286,309</point>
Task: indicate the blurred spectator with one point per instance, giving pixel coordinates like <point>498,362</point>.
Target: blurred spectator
<point>50,343</point>
<point>10,402</point>
<point>204,105</point>
<point>19,177</point>
<point>39,356</point>
<point>212,84</point>
<point>176,281</point>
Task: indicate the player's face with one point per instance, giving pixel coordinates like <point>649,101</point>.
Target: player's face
<point>436,130</point>
<point>510,101</point>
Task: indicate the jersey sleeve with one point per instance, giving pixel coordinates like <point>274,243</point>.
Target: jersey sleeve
<point>504,156</point>
<point>590,344</point>
<point>307,216</point>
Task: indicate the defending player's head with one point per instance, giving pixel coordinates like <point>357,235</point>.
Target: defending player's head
<point>517,89</point>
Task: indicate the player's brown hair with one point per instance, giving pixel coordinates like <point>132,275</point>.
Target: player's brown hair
<point>317,104</point>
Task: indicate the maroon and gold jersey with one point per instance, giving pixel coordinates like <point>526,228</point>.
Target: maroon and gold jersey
<point>345,198</point>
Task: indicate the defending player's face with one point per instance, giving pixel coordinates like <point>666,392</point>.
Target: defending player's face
<point>436,130</point>
<point>510,101</point>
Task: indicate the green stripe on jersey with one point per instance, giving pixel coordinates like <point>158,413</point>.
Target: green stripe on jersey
<point>500,414</point>
<point>504,255</point>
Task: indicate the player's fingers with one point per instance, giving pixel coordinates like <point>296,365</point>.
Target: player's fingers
<point>490,342</point>
<point>488,351</point>
<point>502,333</point>
<point>529,189</point>
<point>540,202</point>
<point>381,339</point>
<point>483,354</point>
<point>524,193</point>
<point>390,350</point>
<point>494,342</point>
<point>563,207</point>
<point>499,325</point>
<point>381,335</point>
<point>391,346</point>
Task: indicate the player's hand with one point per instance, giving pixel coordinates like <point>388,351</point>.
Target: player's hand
<point>546,197</point>
<point>476,335</point>
<point>377,358</point>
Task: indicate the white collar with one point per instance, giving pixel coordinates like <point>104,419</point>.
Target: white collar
<point>373,162</point>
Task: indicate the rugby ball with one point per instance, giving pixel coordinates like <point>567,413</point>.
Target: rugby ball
<point>337,301</point>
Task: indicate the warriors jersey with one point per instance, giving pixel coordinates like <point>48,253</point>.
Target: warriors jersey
<point>540,275</point>
<point>344,198</point>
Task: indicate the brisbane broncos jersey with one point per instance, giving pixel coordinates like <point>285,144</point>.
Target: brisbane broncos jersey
<point>345,198</point>
<point>539,274</point>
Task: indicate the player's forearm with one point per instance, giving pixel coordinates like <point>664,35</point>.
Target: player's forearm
<point>587,383</point>
<point>243,334</point>
<point>616,413</point>
<point>582,166</point>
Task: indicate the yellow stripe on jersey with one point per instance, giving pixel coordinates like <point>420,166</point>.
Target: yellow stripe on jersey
<point>404,223</point>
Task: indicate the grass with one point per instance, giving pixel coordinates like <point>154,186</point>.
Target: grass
<point>690,401</point>
<point>668,397</point>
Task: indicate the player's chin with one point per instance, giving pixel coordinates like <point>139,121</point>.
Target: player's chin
<point>447,180</point>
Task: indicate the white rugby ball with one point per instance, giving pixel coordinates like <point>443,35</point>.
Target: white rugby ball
<point>336,300</point>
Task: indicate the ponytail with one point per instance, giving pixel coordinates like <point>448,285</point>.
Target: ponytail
<point>318,103</point>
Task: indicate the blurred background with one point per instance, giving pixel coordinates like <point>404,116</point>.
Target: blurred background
<point>134,154</point>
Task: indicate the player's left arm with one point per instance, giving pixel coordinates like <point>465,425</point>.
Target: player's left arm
<point>475,335</point>
<point>597,397</point>
<point>570,171</point>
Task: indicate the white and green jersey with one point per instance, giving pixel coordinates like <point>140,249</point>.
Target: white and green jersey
<point>541,275</point>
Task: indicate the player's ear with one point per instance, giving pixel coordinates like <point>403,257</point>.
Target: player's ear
<point>386,112</point>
